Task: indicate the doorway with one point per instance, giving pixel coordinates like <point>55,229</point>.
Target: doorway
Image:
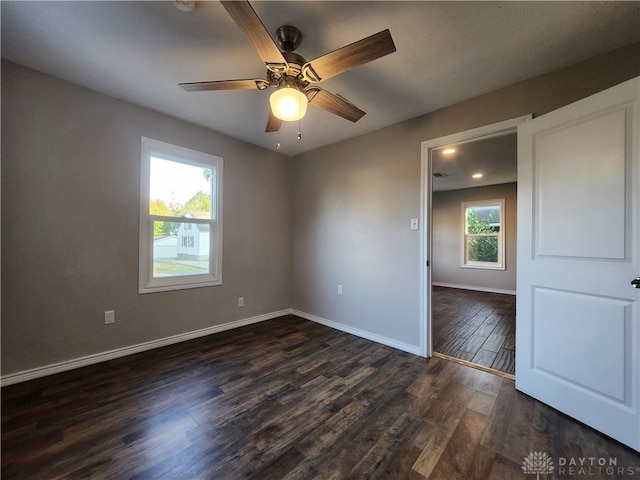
<point>474,204</point>
<point>469,300</point>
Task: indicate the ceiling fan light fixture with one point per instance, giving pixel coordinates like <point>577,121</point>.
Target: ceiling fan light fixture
<point>288,104</point>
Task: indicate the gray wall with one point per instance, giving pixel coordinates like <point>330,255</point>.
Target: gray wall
<point>70,201</point>
<point>293,228</point>
<point>447,239</point>
<point>352,201</point>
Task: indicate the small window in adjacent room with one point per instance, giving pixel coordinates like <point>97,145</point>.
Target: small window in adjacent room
<point>180,218</point>
<point>483,234</point>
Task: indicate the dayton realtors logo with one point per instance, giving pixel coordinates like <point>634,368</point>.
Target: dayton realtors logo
<point>541,463</point>
<point>538,463</point>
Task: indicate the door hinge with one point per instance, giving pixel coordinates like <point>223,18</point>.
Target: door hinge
<point>427,263</point>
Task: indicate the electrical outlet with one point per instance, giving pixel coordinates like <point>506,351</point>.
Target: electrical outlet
<point>339,289</point>
<point>109,317</point>
<point>240,302</point>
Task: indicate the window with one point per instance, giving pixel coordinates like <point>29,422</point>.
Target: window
<point>483,234</point>
<point>188,242</point>
<point>180,218</point>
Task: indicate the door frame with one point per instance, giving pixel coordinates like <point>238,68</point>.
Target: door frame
<point>426,213</point>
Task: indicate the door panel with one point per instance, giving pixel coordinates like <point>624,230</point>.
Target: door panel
<point>587,195</point>
<point>578,319</point>
<point>585,320</point>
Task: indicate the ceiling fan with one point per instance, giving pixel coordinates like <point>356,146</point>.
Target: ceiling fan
<point>291,75</point>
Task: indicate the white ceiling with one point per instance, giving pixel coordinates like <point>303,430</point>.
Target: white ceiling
<point>496,158</point>
<point>446,52</point>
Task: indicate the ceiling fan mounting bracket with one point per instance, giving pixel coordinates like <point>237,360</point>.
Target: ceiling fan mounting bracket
<point>292,74</point>
<point>277,67</point>
<point>288,38</point>
<point>310,74</point>
<point>286,80</point>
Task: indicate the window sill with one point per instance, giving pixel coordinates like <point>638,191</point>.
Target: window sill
<point>484,266</point>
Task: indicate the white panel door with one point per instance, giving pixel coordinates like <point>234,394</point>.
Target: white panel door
<point>578,316</point>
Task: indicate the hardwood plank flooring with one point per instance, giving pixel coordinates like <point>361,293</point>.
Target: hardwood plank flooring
<point>478,327</point>
<point>283,399</point>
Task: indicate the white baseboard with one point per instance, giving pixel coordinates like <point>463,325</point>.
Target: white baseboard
<point>415,350</point>
<point>477,289</point>
<point>52,369</point>
<point>141,347</point>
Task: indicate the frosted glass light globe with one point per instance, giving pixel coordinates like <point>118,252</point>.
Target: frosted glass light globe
<point>288,104</point>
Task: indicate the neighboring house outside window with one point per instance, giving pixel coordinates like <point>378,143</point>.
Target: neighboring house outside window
<point>180,218</point>
<point>193,243</point>
<point>483,234</point>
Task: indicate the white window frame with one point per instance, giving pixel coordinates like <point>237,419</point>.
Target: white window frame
<point>147,283</point>
<point>464,261</point>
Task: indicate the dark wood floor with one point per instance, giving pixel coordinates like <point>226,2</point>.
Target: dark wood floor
<point>475,326</point>
<point>286,398</point>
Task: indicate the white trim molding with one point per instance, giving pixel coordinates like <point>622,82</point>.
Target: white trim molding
<point>487,131</point>
<point>130,350</point>
<point>67,365</point>
<point>148,282</point>
<point>415,350</point>
<point>474,288</point>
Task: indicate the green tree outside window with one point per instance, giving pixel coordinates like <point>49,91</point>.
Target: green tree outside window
<point>483,245</point>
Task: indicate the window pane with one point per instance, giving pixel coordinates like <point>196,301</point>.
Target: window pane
<point>184,251</point>
<point>482,248</point>
<point>178,189</point>
<point>484,219</point>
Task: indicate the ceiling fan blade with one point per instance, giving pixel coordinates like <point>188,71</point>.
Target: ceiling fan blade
<point>273,123</point>
<point>250,24</point>
<point>334,104</point>
<point>348,57</point>
<point>225,85</point>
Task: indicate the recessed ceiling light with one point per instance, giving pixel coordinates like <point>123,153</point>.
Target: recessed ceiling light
<point>449,151</point>
<point>185,5</point>
<point>477,175</point>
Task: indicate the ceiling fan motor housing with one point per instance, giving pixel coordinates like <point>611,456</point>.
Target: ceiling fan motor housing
<point>288,38</point>
<point>292,75</point>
